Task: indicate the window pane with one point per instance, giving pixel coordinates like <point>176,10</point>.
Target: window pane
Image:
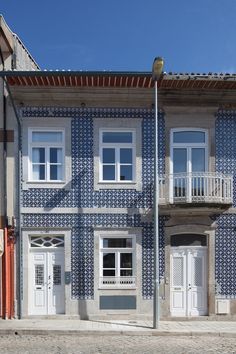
<point>108,260</point>
<point>198,160</point>
<point>180,160</point>
<point>126,260</point>
<point>126,272</point>
<point>55,172</point>
<point>38,155</point>
<point>117,137</point>
<point>47,137</point>
<point>108,173</point>
<point>189,137</point>
<point>117,242</point>
<point>108,155</point>
<point>126,155</point>
<point>55,155</point>
<point>109,273</point>
<point>38,172</point>
<point>126,173</point>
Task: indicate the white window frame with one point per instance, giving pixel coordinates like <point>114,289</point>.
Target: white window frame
<point>117,252</point>
<point>188,147</point>
<point>46,146</point>
<point>117,147</point>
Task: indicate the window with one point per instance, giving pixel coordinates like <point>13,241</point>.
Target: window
<point>117,155</point>
<point>117,260</point>
<point>46,152</point>
<point>188,163</point>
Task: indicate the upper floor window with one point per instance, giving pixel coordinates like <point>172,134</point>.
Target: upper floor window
<point>117,155</point>
<point>46,153</point>
<point>189,150</point>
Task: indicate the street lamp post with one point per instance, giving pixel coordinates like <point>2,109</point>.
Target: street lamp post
<point>157,67</point>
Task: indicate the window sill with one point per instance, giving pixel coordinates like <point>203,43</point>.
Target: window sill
<point>117,185</point>
<point>46,184</point>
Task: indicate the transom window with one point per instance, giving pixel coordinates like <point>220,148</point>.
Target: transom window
<point>117,155</point>
<point>117,257</point>
<point>46,155</point>
<point>47,241</point>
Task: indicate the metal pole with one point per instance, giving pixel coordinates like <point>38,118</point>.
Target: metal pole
<point>156,305</point>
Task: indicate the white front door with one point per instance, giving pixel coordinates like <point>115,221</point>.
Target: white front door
<point>188,291</point>
<point>47,286</point>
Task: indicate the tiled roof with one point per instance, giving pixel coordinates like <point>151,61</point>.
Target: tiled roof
<point>120,79</point>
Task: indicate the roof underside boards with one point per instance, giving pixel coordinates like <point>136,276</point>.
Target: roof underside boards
<point>119,80</point>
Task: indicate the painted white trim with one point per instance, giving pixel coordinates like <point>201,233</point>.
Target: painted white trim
<point>117,147</point>
<point>46,146</point>
<point>188,146</point>
<point>117,251</point>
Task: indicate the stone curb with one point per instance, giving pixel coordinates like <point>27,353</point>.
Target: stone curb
<point>54,332</point>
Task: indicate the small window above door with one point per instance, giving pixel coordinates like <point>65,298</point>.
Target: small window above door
<point>188,240</point>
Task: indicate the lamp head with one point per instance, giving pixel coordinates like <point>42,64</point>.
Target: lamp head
<point>157,68</point>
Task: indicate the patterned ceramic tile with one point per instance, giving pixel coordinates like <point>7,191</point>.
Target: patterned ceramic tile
<point>225,264</point>
<point>83,195</point>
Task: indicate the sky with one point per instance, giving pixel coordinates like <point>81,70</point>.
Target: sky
<point>194,36</point>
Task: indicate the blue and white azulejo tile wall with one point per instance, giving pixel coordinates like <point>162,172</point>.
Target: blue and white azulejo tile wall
<point>82,194</point>
<point>225,265</point>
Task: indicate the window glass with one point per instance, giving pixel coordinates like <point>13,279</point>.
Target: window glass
<point>55,155</point>
<point>126,260</point>
<point>126,156</point>
<point>109,260</point>
<point>180,160</point>
<point>109,173</point>
<point>117,137</point>
<point>126,173</point>
<point>117,242</point>
<point>189,137</point>
<point>108,155</point>
<point>47,137</point>
<point>39,172</point>
<point>38,155</point>
<point>198,160</point>
<point>55,173</point>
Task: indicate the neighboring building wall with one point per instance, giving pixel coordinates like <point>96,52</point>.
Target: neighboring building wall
<point>15,57</point>
<point>22,59</point>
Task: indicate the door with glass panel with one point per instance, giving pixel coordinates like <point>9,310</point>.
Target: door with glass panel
<point>188,268</point>
<point>188,165</point>
<point>46,276</point>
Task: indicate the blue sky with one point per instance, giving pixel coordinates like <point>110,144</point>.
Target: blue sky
<point>125,35</point>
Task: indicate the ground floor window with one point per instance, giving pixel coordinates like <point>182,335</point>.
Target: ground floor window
<point>117,260</point>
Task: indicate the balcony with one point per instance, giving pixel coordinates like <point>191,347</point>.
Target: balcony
<point>200,188</point>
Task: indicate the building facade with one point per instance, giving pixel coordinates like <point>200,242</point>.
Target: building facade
<point>85,179</point>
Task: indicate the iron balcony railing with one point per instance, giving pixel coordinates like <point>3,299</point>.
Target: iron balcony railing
<point>197,187</point>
